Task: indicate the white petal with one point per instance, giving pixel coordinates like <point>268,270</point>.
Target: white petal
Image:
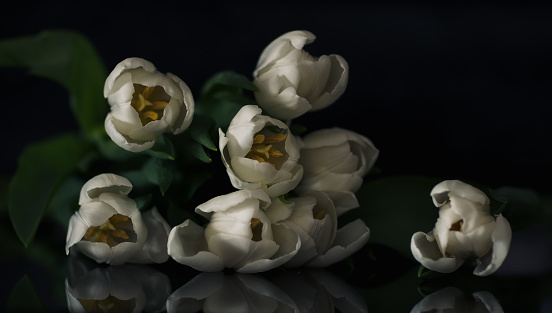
<point>501,237</point>
<point>187,245</point>
<point>104,183</point>
<point>77,229</point>
<point>127,64</point>
<point>336,85</point>
<point>187,111</point>
<point>123,252</point>
<point>308,246</point>
<point>349,239</point>
<point>343,200</point>
<point>154,249</point>
<point>442,300</point>
<point>425,250</point>
<point>440,192</point>
<point>123,141</point>
<point>97,251</point>
<point>279,210</point>
<point>225,202</point>
<point>286,186</point>
<point>289,244</point>
<point>237,251</point>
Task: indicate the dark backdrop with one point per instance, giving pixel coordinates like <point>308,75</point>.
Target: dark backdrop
<point>455,90</point>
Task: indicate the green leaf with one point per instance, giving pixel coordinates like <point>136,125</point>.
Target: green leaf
<point>42,166</point>
<point>198,152</point>
<point>65,200</point>
<point>159,172</point>
<point>24,298</point>
<point>297,129</point>
<point>228,78</point>
<point>200,131</point>
<point>163,149</point>
<point>394,208</point>
<point>68,58</point>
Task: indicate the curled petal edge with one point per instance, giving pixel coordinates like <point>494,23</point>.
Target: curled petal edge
<point>426,251</point>
<point>501,238</point>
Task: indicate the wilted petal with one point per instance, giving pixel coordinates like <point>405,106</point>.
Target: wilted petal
<point>501,238</point>
<point>187,245</point>
<point>426,251</point>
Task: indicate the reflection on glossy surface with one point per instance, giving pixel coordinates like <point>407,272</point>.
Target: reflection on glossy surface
<point>128,288</point>
<point>285,291</point>
<point>452,300</point>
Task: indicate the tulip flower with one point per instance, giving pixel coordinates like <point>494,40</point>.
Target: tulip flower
<point>260,152</point>
<point>145,104</point>
<point>465,229</point>
<point>336,160</point>
<point>109,228</point>
<point>291,82</point>
<point>239,236</point>
<point>314,218</point>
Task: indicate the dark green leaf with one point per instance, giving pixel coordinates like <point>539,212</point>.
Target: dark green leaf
<point>112,151</point>
<point>65,200</point>
<point>394,208</point>
<point>297,129</point>
<point>200,131</point>
<point>284,199</point>
<point>228,78</point>
<point>163,149</point>
<point>425,273</point>
<point>68,58</point>
<point>41,168</point>
<point>199,152</point>
<point>24,298</point>
<point>144,201</point>
<point>159,172</point>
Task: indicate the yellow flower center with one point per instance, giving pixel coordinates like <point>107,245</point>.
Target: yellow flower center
<point>266,147</point>
<point>149,102</point>
<point>457,226</point>
<point>257,229</point>
<point>319,215</point>
<point>109,304</point>
<point>118,228</point>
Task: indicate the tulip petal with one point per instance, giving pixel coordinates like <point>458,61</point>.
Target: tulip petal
<point>97,251</point>
<point>343,200</point>
<point>336,85</point>
<point>426,251</point>
<point>289,244</point>
<point>127,64</point>
<point>490,302</point>
<point>440,193</point>
<point>184,120</point>
<point>308,247</point>
<point>155,247</point>
<point>442,300</point>
<point>349,239</point>
<point>104,183</point>
<point>501,237</point>
<point>237,251</point>
<point>187,245</point>
<point>224,202</point>
<point>123,141</point>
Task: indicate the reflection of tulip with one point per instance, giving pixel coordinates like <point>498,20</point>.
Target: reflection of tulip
<point>452,300</point>
<point>126,288</point>
<point>465,229</point>
<point>291,82</point>
<point>217,292</point>
<point>260,152</point>
<point>239,235</point>
<point>313,217</point>
<point>109,228</point>
<point>145,104</point>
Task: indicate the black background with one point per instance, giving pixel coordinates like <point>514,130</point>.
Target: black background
<point>457,90</point>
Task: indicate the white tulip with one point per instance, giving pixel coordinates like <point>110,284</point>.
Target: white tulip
<point>465,229</point>
<point>239,235</point>
<point>291,82</point>
<point>145,104</point>
<point>109,228</point>
<point>453,300</point>
<point>314,218</point>
<point>336,160</point>
<point>260,152</point>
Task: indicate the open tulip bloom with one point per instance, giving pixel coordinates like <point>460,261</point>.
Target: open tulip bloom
<point>465,229</point>
<point>145,104</point>
<point>109,228</point>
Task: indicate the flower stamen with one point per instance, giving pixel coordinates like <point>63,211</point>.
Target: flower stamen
<point>148,108</point>
<point>257,229</point>
<point>457,226</point>
<point>118,228</point>
<point>263,149</point>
